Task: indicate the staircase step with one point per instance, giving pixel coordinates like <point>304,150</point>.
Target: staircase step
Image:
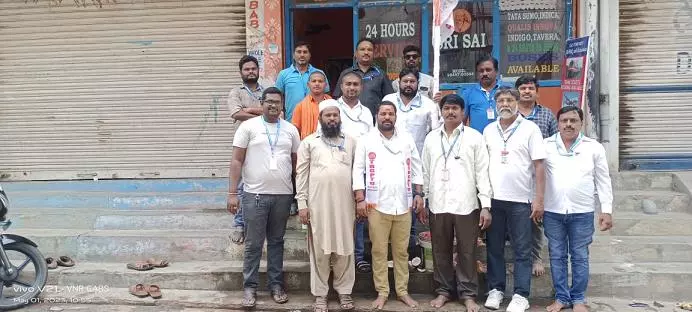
<point>111,219</point>
<point>669,281</point>
<point>634,181</point>
<point>666,201</point>
<point>125,201</point>
<point>662,224</point>
<point>117,186</point>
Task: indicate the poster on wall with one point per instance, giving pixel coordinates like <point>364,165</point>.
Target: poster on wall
<point>532,35</point>
<point>263,37</point>
<point>391,28</point>
<point>472,38</point>
<point>573,83</point>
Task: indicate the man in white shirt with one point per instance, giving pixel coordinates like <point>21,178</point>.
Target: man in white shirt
<point>356,121</point>
<point>455,166</point>
<point>517,176</point>
<point>575,164</point>
<point>387,184</point>
<point>264,150</point>
<point>416,114</point>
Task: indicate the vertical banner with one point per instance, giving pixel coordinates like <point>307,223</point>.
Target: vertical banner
<point>575,63</point>
<point>264,38</point>
<point>443,28</point>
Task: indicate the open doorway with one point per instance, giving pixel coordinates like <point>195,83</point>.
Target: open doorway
<point>330,32</point>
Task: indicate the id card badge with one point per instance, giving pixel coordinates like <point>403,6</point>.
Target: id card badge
<point>504,157</point>
<point>445,175</point>
<point>491,113</point>
<point>273,164</point>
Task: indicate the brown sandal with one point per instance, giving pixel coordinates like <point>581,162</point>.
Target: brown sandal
<point>51,264</point>
<point>65,261</point>
<point>139,290</point>
<point>162,263</point>
<point>154,291</point>
<point>140,266</point>
<point>346,302</point>
<point>320,305</point>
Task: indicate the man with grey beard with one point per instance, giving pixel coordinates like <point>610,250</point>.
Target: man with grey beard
<point>516,151</point>
<point>326,204</point>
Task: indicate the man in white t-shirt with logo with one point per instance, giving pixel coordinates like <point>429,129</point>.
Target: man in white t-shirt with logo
<point>516,151</point>
<point>264,150</point>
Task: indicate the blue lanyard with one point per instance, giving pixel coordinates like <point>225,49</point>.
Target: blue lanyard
<point>570,152</point>
<point>533,113</point>
<point>339,146</point>
<point>510,134</point>
<point>401,103</point>
<point>272,146</point>
<point>252,94</point>
<point>451,147</point>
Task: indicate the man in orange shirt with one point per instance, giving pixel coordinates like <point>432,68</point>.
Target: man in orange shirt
<point>307,113</point>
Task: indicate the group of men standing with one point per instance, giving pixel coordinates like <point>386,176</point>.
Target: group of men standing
<point>393,157</point>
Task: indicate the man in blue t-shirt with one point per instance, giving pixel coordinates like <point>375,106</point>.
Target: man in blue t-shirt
<point>480,99</point>
<point>293,81</point>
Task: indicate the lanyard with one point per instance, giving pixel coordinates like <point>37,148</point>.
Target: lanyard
<point>384,143</point>
<point>269,138</point>
<point>533,113</point>
<point>502,135</point>
<point>345,108</point>
<point>451,147</point>
<point>569,152</point>
<point>401,103</point>
<point>252,94</point>
<point>340,146</point>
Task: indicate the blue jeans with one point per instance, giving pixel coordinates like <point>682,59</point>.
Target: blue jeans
<point>238,218</point>
<point>265,218</point>
<point>515,218</point>
<point>569,234</point>
<point>359,244</point>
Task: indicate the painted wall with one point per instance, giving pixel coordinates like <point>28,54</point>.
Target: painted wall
<point>264,36</point>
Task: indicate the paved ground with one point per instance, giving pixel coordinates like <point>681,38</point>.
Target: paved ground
<point>303,303</point>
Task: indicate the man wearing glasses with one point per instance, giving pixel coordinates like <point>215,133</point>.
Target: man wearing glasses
<point>412,61</point>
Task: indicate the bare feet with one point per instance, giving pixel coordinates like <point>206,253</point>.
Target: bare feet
<point>439,301</point>
<point>579,308</point>
<point>408,301</point>
<point>538,268</point>
<point>471,305</point>
<point>555,307</point>
<point>378,304</point>
<point>481,267</point>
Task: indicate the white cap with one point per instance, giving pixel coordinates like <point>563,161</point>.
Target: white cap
<point>328,103</point>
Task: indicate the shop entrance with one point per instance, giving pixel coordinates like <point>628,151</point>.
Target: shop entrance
<point>330,34</point>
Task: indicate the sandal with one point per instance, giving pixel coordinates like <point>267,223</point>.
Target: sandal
<point>154,291</point>
<point>140,266</point>
<point>50,262</point>
<point>346,302</point>
<point>249,298</point>
<point>139,290</point>
<point>65,261</point>
<point>320,305</point>
<point>363,267</point>
<point>157,263</point>
<point>279,295</point>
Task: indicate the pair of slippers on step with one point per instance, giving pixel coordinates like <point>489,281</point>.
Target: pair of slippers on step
<point>143,291</point>
<point>64,261</point>
<point>148,264</point>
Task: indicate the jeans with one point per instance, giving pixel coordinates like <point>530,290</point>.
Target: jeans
<point>359,244</point>
<point>515,218</point>
<point>265,218</point>
<point>569,234</point>
<point>238,218</point>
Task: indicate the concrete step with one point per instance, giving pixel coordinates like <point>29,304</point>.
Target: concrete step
<point>112,219</point>
<point>175,300</point>
<point>120,186</point>
<point>670,281</point>
<point>666,201</point>
<point>212,245</point>
<point>119,200</point>
<point>641,224</point>
<point>634,181</point>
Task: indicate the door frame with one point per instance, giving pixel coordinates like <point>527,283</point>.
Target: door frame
<point>355,5</point>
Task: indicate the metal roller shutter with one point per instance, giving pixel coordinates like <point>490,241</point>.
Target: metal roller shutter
<point>132,89</point>
<point>655,84</point>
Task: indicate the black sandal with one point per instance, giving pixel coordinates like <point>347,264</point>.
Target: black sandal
<point>249,298</point>
<point>363,267</point>
<point>279,295</point>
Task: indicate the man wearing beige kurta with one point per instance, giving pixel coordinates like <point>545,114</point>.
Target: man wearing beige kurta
<point>325,202</point>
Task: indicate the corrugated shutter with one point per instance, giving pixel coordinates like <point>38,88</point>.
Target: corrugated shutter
<point>656,84</point>
<point>132,89</point>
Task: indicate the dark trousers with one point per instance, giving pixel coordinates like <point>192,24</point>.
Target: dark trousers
<point>265,218</point>
<point>462,280</point>
<point>515,218</point>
